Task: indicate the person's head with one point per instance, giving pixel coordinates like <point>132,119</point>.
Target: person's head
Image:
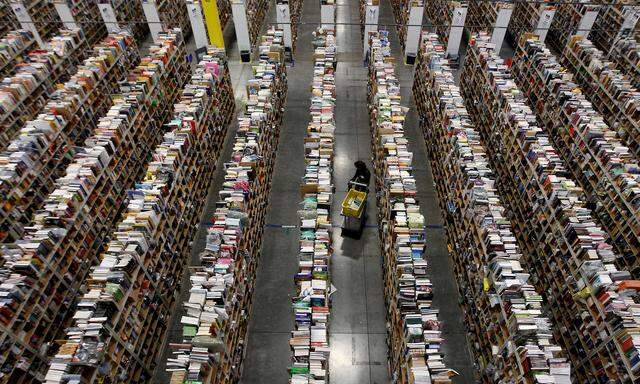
<point>360,164</point>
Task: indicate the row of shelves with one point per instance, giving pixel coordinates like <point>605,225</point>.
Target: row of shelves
<point>42,149</point>
<point>121,321</point>
<point>414,332</point>
<point>310,338</point>
<point>509,331</point>
<point>45,270</point>
<point>590,301</point>
<point>14,49</point>
<point>215,316</point>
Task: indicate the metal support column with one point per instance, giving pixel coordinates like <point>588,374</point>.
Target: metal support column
<point>196,18</point>
<point>327,14</point>
<point>457,27</point>
<point>243,40</point>
<point>25,20</point>
<point>414,27</point>
<point>109,17</point>
<point>371,14</point>
<point>546,17</point>
<point>65,14</point>
<point>150,9</point>
<point>500,27</point>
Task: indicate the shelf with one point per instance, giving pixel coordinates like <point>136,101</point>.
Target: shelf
<point>38,156</point>
<point>133,291</point>
<point>440,14</point>
<point>590,302</point>
<point>9,21</point>
<point>130,15</point>
<point>46,269</point>
<point>311,305</point>
<point>566,22</point>
<point>14,48</point>
<point>525,18</point>
<point>609,22</point>
<point>401,9</point>
<point>87,17</point>
<point>626,54</point>
<point>43,15</point>
<point>413,330</point>
<point>503,311</point>
<point>215,317</point>
<point>483,14</point>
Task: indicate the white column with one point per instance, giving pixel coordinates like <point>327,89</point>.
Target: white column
<point>500,27</point>
<point>371,13</point>
<point>109,17</point>
<point>631,15</point>
<point>283,18</point>
<point>153,18</point>
<point>65,14</point>
<point>25,20</point>
<point>327,15</point>
<point>457,27</point>
<point>546,17</point>
<point>586,23</point>
<point>197,23</point>
<point>414,27</point>
<point>242,29</point>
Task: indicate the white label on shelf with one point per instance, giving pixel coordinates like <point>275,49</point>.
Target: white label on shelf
<point>414,26</point>
<point>586,23</point>
<point>546,17</point>
<point>500,27</point>
<point>25,20</point>
<point>109,17</point>
<point>242,27</point>
<point>197,23</point>
<point>283,18</point>
<point>150,10</point>
<point>65,15</point>
<point>457,27</point>
<point>371,13</point>
<point>328,16</point>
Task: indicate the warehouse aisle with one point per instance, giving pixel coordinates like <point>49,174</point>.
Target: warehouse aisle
<point>271,318</point>
<point>446,298</point>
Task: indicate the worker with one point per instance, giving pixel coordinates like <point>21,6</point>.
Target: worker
<point>362,176</point>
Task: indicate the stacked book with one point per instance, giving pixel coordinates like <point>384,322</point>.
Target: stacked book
<point>14,48</point>
<point>592,304</point>
<point>23,95</point>
<point>440,14</point>
<point>40,153</point>
<point>525,18</point>
<point>414,332</point>
<point>86,16</point>
<point>119,324</point>
<point>568,21</point>
<point>626,54</point>
<point>611,23</point>
<point>45,270</point>
<point>9,21</point>
<point>215,316</point>
<point>310,339</point>
<point>602,165</point>
<point>503,311</point>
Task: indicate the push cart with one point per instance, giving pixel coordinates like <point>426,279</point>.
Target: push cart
<point>354,209</point>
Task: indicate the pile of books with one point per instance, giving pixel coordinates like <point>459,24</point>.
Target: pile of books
<point>131,17</point>
<point>45,270</point>
<point>440,14</point>
<point>14,48</point>
<point>592,304</point>
<point>568,21</point>
<point>608,27</point>
<point>626,54</point>
<point>526,18</point>
<point>414,333</point>
<point>602,165</point>
<point>509,331</point>
<point>215,316</point>
<point>44,16</point>
<point>23,95</point>
<point>39,155</point>
<point>310,339</point>
<point>86,16</point>
<point>119,324</point>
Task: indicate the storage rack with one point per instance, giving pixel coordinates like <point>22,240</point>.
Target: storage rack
<point>8,18</point>
<point>566,21</point>
<point>43,15</point>
<point>414,337</point>
<point>608,89</point>
<point>42,150</point>
<point>256,12</point>
<point>310,339</point>
<point>295,10</point>
<point>601,164</point>
<point>525,18</point>
<point>130,15</point>
<point>45,270</point>
<point>224,12</point>
<point>23,95</point>
<point>87,17</point>
<point>591,302</point>
<point>440,14</point>
<point>503,311</point>
<point>217,311</point>
<point>401,9</point>
<point>626,54</point>
<point>14,48</point>
<point>132,292</point>
<point>609,23</point>
<point>483,14</point>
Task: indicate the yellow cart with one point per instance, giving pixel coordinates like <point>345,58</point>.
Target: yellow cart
<point>354,208</point>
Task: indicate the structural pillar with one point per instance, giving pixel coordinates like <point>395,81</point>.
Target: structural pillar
<point>212,20</point>
<point>586,23</point>
<point>500,27</point>
<point>414,27</point>
<point>243,40</point>
<point>109,17</point>
<point>327,15</point>
<point>150,9</point>
<point>65,14</point>
<point>25,20</point>
<point>457,27</point>
<point>371,13</point>
<point>546,17</point>
<point>283,18</point>
<point>196,18</point>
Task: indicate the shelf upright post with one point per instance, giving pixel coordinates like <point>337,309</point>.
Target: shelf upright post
<point>109,17</point>
<point>283,18</point>
<point>500,27</point>
<point>546,17</point>
<point>414,28</point>
<point>239,11</point>
<point>327,15</point>
<point>23,16</point>
<point>457,28</point>
<point>65,14</point>
<point>150,10</point>
<point>371,13</point>
<point>587,21</point>
<point>196,18</point>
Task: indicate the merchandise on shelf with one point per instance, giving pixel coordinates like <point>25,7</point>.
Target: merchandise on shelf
<point>440,14</point>
<point>566,22</point>
<point>414,334</point>
<point>484,14</point>
<point>43,148</point>
<point>43,14</point>
<point>9,21</point>
<point>215,316</point>
<point>611,18</point>
<point>525,18</point>
<point>510,336</point>
<point>120,323</point>
<point>45,270</point>
<point>626,54</point>
<point>14,48</point>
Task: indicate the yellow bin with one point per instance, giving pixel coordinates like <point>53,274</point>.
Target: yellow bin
<point>353,203</point>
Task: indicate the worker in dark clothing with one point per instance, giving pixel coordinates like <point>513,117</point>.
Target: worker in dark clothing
<point>362,176</point>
